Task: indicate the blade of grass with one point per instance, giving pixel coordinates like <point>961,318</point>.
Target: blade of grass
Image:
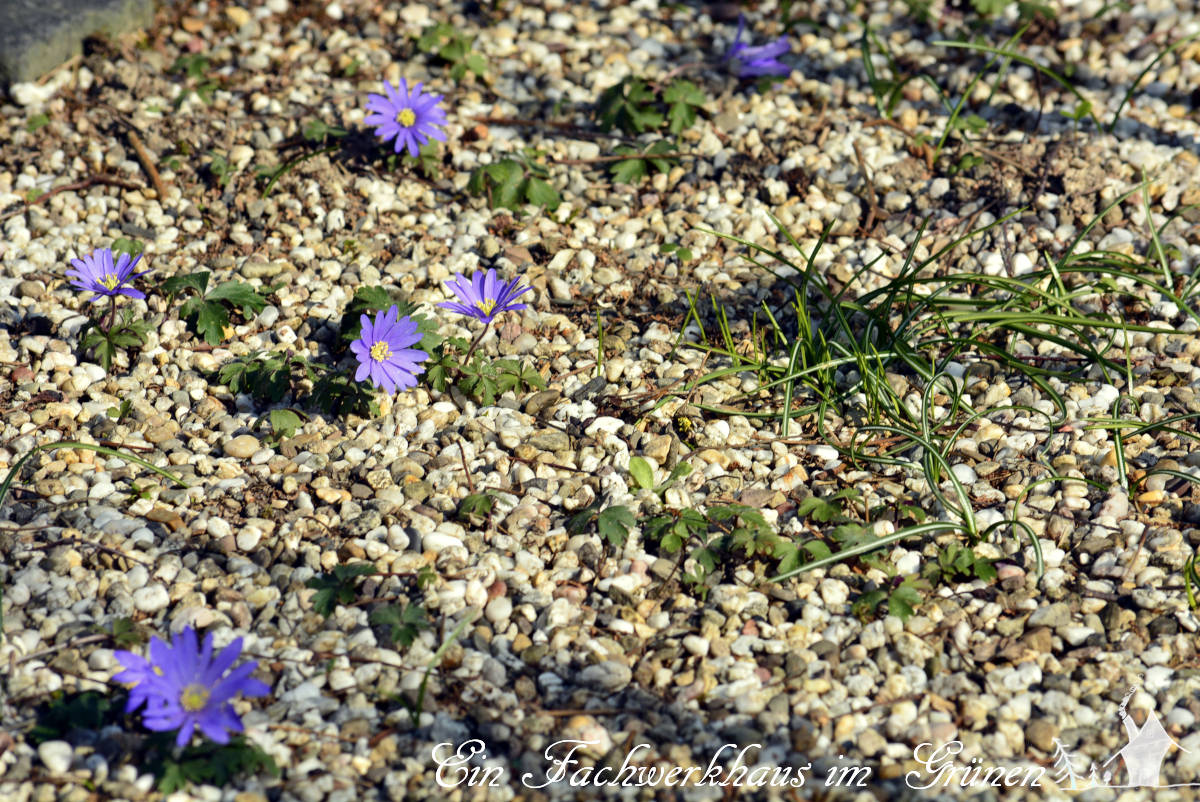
<point>112,452</point>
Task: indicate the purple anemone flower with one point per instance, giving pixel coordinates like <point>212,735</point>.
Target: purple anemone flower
<point>97,273</point>
<point>383,351</point>
<point>484,296</point>
<point>409,118</point>
<point>753,62</point>
<point>184,687</point>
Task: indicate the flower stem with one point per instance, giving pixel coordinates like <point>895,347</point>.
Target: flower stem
<point>112,313</point>
<point>475,342</point>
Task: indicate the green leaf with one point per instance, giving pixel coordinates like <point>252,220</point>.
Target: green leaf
<point>904,601</point>
<point>505,171</point>
<point>210,320</point>
<point>989,8</point>
<point>507,195</point>
<point>341,587</point>
<point>681,470</point>
<point>284,422</point>
<point>641,472</point>
<point>126,634</point>
<point>540,193</point>
<point>985,570</point>
<point>683,99</point>
<point>864,606</point>
<point>476,507</point>
<point>206,763</point>
<point>237,294</point>
<point>628,106</point>
<point>177,284</point>
<point>104,349</point>
<point>614,524</point>
<point>817,549</point>
<point>818,509</point>
<point>706,559</point>
<point>65,712</point>
<point>684,92</point>
<point>130,246</point>
<point>404,624</point>
<point>36,122</point>
<point>476,63</point>
<point>628,171</point>
<point>315,131</point>
<point>788,555</point>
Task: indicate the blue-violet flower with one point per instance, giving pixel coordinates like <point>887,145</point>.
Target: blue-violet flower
<point>484,296</point>
<point>410,118</point>
<point>97,273</point>
<point>753,62</point>
<point>383,351</point>
<point>184,687</point>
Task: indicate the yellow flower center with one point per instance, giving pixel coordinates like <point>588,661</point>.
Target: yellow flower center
<point>407,118</point>
<point>486,305</point>
<point>381,351</point>
<point>109,281</point>
<point>193,698</point>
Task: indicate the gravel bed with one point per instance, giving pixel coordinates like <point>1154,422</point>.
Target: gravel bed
<point>573,638</point>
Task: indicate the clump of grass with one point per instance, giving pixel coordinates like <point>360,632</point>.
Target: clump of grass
<point>828,355</point>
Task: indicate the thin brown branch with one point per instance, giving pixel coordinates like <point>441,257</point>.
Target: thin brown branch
<point>625,157</point>
<point>571,128</point>
<point>130,446</point>
<point>92,180</point>
<point>872,197</point>
<point>77,542</point>
<point>143,155</point>
<point>462,452</point>
<point>147,163</point>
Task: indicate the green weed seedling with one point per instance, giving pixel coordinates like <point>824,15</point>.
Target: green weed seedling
<point>512,183</point>
<point>684,254</point>
<point>208,310</point>
<point>643,475</point>
<point>902,597</point>
<point>476,509</point>
<point>206,763</point>
<point>451,364</point>
<point>403,623</point>
<point>660,155</point>
<point>416,708</point>
<point>955,563</point>
<point>194,67</point>
<point>711,538</point>
<point>128,333</point>
<point>636,107</point>
<point>453,47</point>
<point>338,587</point>
<point>284,424</point>
<point>612,523</point>
<point>631,106</point>
<point>316,133</point>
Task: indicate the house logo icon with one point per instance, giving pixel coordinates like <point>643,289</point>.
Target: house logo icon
<point>1148,745</point>
<point>1142,757</point>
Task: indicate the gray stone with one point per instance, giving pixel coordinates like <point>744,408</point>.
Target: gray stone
<point>56,755</point>
<point>550,440</point>
<point>38,35</point>
<point>1053,615</point>
<point>610,675</point>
